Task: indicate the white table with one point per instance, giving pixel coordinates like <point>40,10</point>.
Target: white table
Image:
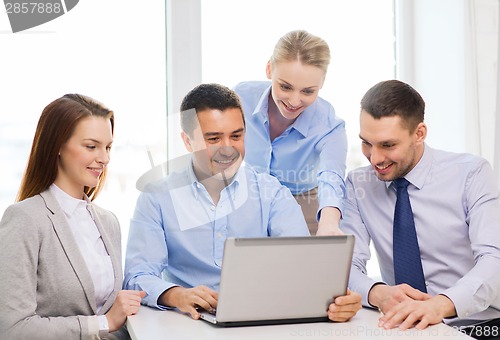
<point>154,324</point>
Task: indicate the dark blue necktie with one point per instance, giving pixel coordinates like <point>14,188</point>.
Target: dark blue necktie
<point>407,261</point>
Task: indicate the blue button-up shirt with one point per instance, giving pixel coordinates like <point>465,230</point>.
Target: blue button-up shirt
<point>310,153</point>
<point>177,233</point>
<point>455,203</point>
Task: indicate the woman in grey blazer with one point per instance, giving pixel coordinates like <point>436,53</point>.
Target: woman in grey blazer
<point>60,254</point>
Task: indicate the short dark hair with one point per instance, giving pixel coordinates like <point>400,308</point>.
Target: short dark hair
<point>205,97</point>
<point>395,98</point>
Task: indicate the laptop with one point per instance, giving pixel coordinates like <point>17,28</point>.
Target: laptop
<point>274,280</point>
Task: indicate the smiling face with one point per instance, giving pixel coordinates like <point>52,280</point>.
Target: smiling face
<point>84,156</point>
<point>392,149</point>
<point>217,143</point>
<point>295,86</point>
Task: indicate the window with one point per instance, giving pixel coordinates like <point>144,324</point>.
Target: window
<point>113,51</point>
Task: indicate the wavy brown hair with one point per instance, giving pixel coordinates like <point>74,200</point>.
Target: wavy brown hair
<point>55,127</point>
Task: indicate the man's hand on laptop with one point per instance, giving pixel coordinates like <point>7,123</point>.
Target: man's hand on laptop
<point>345,307</point>
<point>188,300</point>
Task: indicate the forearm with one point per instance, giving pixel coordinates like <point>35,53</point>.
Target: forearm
<point>36,327</point>
<point>331,191</point>
<point>329,222</point>
<point>477,290</point>
<point>361,283</point>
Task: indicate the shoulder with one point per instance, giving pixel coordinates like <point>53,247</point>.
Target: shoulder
<point>362,176</point>
<point>251,88</point>
<point>264,182</point>
<point>27,217</point>
<point>459,161</point>
<point>159,192</point>
<point>260,177</point>
<point>30,208</point>
<point>324,114</point>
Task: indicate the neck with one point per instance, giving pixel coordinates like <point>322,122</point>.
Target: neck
<point>277,123</point>
<point>214,185</point>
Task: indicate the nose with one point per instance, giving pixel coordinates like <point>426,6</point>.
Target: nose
<point>226,150</point>
<point>103,157</point>
<point>295,99</point>
<point>375,156</point>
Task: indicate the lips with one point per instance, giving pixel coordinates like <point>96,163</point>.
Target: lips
<point>95,171</point>
<point>291,109</point>
<point>383,169</point>
<point>225,162</point>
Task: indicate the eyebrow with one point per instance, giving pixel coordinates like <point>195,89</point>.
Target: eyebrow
<point>209,134</point>
<point>95,141</point>
<point>305,88</point>
<point>381,142</point>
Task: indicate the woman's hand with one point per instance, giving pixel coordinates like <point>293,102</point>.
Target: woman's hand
<point>127,303</point>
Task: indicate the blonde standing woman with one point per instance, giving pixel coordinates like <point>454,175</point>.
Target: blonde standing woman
<point>60,253</point>
<point>294,134</point>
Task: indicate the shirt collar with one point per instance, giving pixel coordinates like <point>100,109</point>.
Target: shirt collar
<point>196,185</point>
<point>68,203</point>
<point>301,124</point>
<point>263,105</point>
<point>419,173</point>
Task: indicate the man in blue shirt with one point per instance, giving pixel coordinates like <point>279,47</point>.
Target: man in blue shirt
<point>177,234</point>
<point>456,213</point>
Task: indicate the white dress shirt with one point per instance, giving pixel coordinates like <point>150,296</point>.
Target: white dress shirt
<point>89,242</point>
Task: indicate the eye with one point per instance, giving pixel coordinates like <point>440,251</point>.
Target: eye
<point>213,139</point>
<point>236,137</point>
<point>285,87</point>
<point>91,147</point>
<point>309,92</point>
<point>388,145</point>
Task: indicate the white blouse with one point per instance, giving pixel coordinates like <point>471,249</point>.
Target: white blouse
<point>89,242</point>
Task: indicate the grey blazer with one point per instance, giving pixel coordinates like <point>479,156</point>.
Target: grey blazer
<point>46,291</point>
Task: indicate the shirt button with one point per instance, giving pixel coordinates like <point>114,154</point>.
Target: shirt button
<point>198,185</point>
<point>212,207</point>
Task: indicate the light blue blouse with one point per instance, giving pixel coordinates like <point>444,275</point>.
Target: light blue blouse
<point>310,153</point>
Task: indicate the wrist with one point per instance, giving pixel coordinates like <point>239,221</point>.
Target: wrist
<point>169,297</point>
<point>330,214</point>
<point>446,306</point>
<point>103,326</point>
<point>373,298</point>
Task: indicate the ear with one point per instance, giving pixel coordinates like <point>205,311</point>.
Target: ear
<point>187,141</point>
<point>268,70</point>
<point>421,133</point>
